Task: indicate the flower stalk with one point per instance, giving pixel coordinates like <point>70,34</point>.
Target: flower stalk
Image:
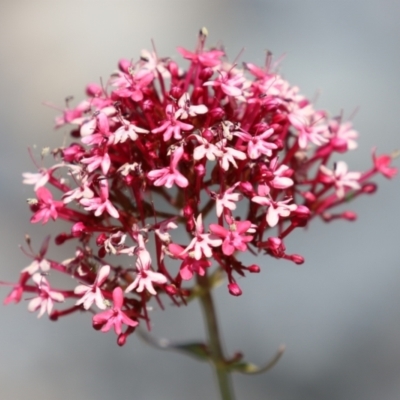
<point>217,358</point>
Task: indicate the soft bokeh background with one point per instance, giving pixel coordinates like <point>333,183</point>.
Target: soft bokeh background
<point>338,314</point>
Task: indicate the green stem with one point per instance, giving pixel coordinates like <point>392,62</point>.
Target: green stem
<point>214,342</point>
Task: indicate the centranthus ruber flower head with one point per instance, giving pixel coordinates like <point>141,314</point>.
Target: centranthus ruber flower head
<point>176,173</point>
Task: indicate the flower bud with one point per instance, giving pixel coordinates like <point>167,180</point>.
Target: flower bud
<point>101,239</point>
<point>176,92</point>
<point>78,229</point>
<point>124,65</point>
<point>93,90</point>
<point>234,289</point>
<point>254,269</point>
<point>173,68</point>
<point>369,188</point>
<point>297,259</point>
<point>61,238</point>
<point>349,215</point>
<point>300,216</point>
<point>206,74</point>
<point>217,113</point>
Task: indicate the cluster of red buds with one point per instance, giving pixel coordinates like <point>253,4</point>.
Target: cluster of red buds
<point>233,158</point>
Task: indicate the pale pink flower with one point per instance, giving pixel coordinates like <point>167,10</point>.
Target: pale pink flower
<point>231,84</point>
<point>145,277</point>
<point>229,155</point>
<point>47,297</point>
<point>126,131</point>
<point>343,135</point>
<point>172,127</point>
<point>308,131</point>
<point>92,293</point>
<point>186,109</point>
<point>202,243</point>
<point>276,209</point>
<point>227,200</point>
<point>115,316</point>
<point>206,149</point>
<point>163,228</point>
<point>281,175</point>
<point>341,178</point>
<point>258,145</point>
<point>101,159</point>
<point>102,203</point>
<point>169,175</point>
<point>83,191</point>
<point>38,179</point>
<point>39,263</point>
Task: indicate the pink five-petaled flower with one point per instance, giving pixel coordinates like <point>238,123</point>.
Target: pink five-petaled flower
<point>187,110</point>
<point>39,263</point>
<point>382,164</point>
<point>47,206</point>
<point>99,159</point>
<point>92,293</point>
<point>127,131</point>
<point>99,204</point>
<point>206,149</point>
<point>227,200</point>
<point>206,58</point>
<point>46,298</point>
<point>169,175</point>
<point>202,242</point>
<point>234,238</point>
<point>145,276</point>
<point>341,178</point>
<point>189,265</point>
<point>231,84</point>
<point>172,126</point>
<point>280,175</point>
<point>276,209</point>
<point>114,316</point>
<point>257,145</point>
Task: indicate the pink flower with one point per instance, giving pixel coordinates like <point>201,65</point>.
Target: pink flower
<point>202,243</point>
<point>145,278</point>
<point>186,109</point>
<point>234,238</point>
<point>92,293</point>
<point>341,178</point>
<point>100,204</point>
<point>172,127</point>
<point>206,58</point>
<point>189,265</point>
<point>132,85</point>
<point>115,316</point>
<point>100,159</point>
<point>382,164</point>
<point>47,297</point>
<point>230,84</point>
<point>169,175</point>
<point>48,208</point>
<point>257,145</point>
<point>227,200</point>
<point>280,175</point>
<point>276,209</point>
<point>127,131</point>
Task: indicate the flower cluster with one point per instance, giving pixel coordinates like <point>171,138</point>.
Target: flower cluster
<point>158,150</point>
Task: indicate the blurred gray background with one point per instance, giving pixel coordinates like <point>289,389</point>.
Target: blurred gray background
<point>338,314</point>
